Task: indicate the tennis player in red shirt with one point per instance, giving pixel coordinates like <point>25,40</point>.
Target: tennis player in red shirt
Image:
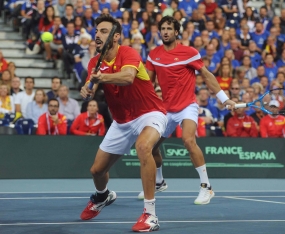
<point>139,116</point>
<point>89,123</point>
<point>175,66</point>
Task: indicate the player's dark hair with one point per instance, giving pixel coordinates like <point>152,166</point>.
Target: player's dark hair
<point>28,77</point>
<point>169,20</point>
<point>53,99</point>
<point>56,78</point>
<point>110,19</point>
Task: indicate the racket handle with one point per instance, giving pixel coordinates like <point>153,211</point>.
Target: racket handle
<point>240,105</point>
<point>90,86</point>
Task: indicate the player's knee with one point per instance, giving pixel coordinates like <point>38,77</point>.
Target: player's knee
<point>144,149</point>
<point>189,142</point>
<point>95,172</point>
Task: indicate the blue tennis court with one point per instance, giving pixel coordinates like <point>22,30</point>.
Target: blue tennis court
<point>54,206</point>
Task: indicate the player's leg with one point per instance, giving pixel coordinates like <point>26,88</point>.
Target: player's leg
<point>100,173</point>
<point>153,125</point>
<point>189,139</point>
<point>160,183</point>
<point>115,143</point>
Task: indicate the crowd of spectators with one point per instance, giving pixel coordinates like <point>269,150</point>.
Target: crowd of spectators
<point>241,45</point>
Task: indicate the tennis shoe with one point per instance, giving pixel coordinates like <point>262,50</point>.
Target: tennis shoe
<point>93,208</point>
<point>158,188</point>
<point>146,223</point>
<point>205,195</point>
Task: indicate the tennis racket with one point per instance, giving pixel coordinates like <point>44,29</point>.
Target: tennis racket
<point>102,56</point>
<point>267,101</point>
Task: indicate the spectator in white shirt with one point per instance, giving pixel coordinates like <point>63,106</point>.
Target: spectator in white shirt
<point>67,106</point>
<point>23,98</point>
<point>38,106</point>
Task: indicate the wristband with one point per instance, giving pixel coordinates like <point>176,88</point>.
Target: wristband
<point>222,96</point>
<point>87,82</point>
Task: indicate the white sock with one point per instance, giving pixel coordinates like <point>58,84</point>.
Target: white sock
<point>159,176</point>
<point>103,191</point>
<point>149,206</point>
<point>203,175</point>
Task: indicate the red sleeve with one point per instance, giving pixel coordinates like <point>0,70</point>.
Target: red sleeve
<point>149,66</point>
<point>42,126</point>
<point>130,57</point>
<point>62,126</point>
<point>75,126</point>
<point>201,129</point>
<point>253,129</point>
<point>194,60</point>
<point>262,126</point>
<point>231,130</point>
<point>91,65</point>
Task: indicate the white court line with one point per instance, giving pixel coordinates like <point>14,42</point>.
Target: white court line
<point>190,221</point>
<point>185,191</point>
<point>128,197</point>
<point>247,199</point>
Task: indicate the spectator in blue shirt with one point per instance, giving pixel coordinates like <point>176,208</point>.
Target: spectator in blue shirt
<point>187,7</point>
<point>270,68</point>
<point>104,4</point>
<point>153,37</point>
<point>95,9</point>
<point>215,60</point>
<point>79,52</point>
<point>259,36</point>
<point>37,107</point>
<point>211,29</point>
<point>57,30</point>
<point>114,10</point>
<point>27,11</point>
<point>260,73</point>
<point>126,26</point>
<point>254,55</point>
<point>230,55</point>
<point>88,20</point>
<point>229,7</point>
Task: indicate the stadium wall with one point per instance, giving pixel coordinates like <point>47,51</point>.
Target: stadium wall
<point>35,157</point>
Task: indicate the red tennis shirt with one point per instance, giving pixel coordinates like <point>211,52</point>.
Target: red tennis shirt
<point>128,102</point>
<point>175,70</point>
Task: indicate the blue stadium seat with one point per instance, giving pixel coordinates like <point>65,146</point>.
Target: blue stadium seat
<point>4,122</point>
<point>10,117</point>
<point>24,126</point>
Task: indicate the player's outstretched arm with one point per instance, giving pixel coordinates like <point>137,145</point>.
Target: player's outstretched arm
<point>213,84</point>
<point>124,77</point>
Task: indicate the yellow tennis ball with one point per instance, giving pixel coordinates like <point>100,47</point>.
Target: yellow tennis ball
<point>47,37</point>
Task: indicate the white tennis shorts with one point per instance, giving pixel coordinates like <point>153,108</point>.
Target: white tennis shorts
<point>175,118</point>
<point>120,137</point>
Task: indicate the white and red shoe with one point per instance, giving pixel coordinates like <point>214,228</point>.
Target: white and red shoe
<point>94,208</point>
<point>146,223</point>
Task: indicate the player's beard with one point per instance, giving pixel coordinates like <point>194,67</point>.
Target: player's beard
<point>99,50</point>
<point>169,42</point>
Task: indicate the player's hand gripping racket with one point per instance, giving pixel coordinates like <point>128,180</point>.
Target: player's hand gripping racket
<point>102,56</point>
<point>267,102</point>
